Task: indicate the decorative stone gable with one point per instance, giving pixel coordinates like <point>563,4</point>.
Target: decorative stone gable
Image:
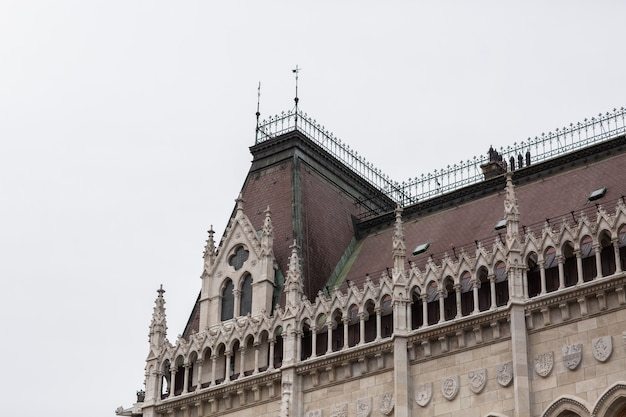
<point>240,272</point>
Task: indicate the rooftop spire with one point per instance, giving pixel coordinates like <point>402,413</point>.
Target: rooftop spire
<point>296,99</point>
<point>399,246</point>
<point>209,249</point>
<point>258,113</point>
<point>158,326</point>
<point>267,236</point>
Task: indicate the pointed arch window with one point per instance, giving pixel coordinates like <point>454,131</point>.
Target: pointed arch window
<point>228,302</point>
<point>239,258</point>
<point>246,296</point>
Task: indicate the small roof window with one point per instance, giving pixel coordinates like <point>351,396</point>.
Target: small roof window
<point>597,194</point>
<point>421,248</point>
<point>500,225</point>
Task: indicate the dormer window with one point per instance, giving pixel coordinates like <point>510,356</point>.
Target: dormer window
<point>597,194</point>
<point>238,258</point>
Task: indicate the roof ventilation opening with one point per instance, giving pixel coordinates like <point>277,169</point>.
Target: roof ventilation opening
<point>597,194</point>
<point>421,248</point>
<point>500,225</point>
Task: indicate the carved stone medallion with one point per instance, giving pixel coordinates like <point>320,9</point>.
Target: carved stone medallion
<point>363,407</point>
<point>314,413</point>
<point>386,403</point>
<point>477,380</point>
<point>423,394</point>
<point>544,363</point>
<point>339,410</point>
<point>602,348</point>
<point>505,374</point>
<point>450,387</point>
<point>572,354</point>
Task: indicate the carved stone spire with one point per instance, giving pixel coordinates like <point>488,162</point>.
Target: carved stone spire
<point>209,250</point>
<point>158,326</point>
<point>511,209</point>
<point>267,235</point>
<point>293,283</point>
<point>399,247</point>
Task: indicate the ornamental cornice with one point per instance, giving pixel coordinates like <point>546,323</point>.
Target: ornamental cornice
<point>588,288</point>
<point>353,353</point>
<point>459,324</point>
<point>219,390</point>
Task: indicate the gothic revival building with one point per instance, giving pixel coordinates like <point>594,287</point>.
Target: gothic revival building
<point>494,287</point>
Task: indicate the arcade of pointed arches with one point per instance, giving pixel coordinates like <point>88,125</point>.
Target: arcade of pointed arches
<point>571,257</point>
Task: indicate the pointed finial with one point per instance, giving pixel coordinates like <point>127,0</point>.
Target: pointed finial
<point>240,202</point>
<point>209,248</point>
<point>258,112</point>
<point>161,291</point>
<point>296,99</point>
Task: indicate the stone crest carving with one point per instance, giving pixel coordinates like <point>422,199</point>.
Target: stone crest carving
<point>450,387</point>
<point>544,363</point>
<point>314,413</point>
<point>386,403</point>
<point>423,394</point>
<point>339,410</point>
<point>363,407</point>
<point>572,354</point>
<point>504,374</point>
<point>602,348</point>
<point>477,380</point>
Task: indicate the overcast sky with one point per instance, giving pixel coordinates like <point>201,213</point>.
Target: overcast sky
<point>125,128</point>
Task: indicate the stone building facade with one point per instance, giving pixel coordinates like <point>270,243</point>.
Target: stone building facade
<point>334,292</point>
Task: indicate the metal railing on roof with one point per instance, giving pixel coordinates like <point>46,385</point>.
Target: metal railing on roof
<point>533,150</point>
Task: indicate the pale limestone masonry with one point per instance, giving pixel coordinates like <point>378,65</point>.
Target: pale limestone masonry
<point>296,359</point>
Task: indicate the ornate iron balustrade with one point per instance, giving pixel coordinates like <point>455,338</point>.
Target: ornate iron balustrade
<point>540,148</point>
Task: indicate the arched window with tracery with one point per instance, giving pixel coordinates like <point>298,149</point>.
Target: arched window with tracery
<point>551,269</point>
<point>533,275</point>
<point>417,311</point>
<point>589,259</point>
<point>467,294</point>
<point>228,302</point>
<point>484,290</point>
<point>502,284</point>
<point>245,305</point>
<point>607,254</point>
<point>386,320</point>
<point>449,302</point>
<point>570,268</point>
<point>432,300</point>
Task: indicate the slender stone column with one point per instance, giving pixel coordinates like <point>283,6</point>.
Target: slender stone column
<point>213,366</point>
<point>256,357</point>
<point>542,274</point>
<point>329,342</point>
<point>314,342</point>
<point>492,288</point>
<point>475,294</point>
<point>185,378</point>
<point>424,298</point>
<point>237,302</point>
<point>378,322</point>
<point>560,259</point>
<point>579,265</point>
<point>345,321</point>
<point>457,291</point>
<point>199,378</point>
<point>361,328</point>
<point>242,357</point>
<point>618,261</point>
<point>442,315</point>
<point>227,370</point>
<point>597,249</point>
<point>270,364</point>
<point>172,385</point>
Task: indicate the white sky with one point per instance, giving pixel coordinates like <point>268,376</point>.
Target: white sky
<point>125,127</point>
